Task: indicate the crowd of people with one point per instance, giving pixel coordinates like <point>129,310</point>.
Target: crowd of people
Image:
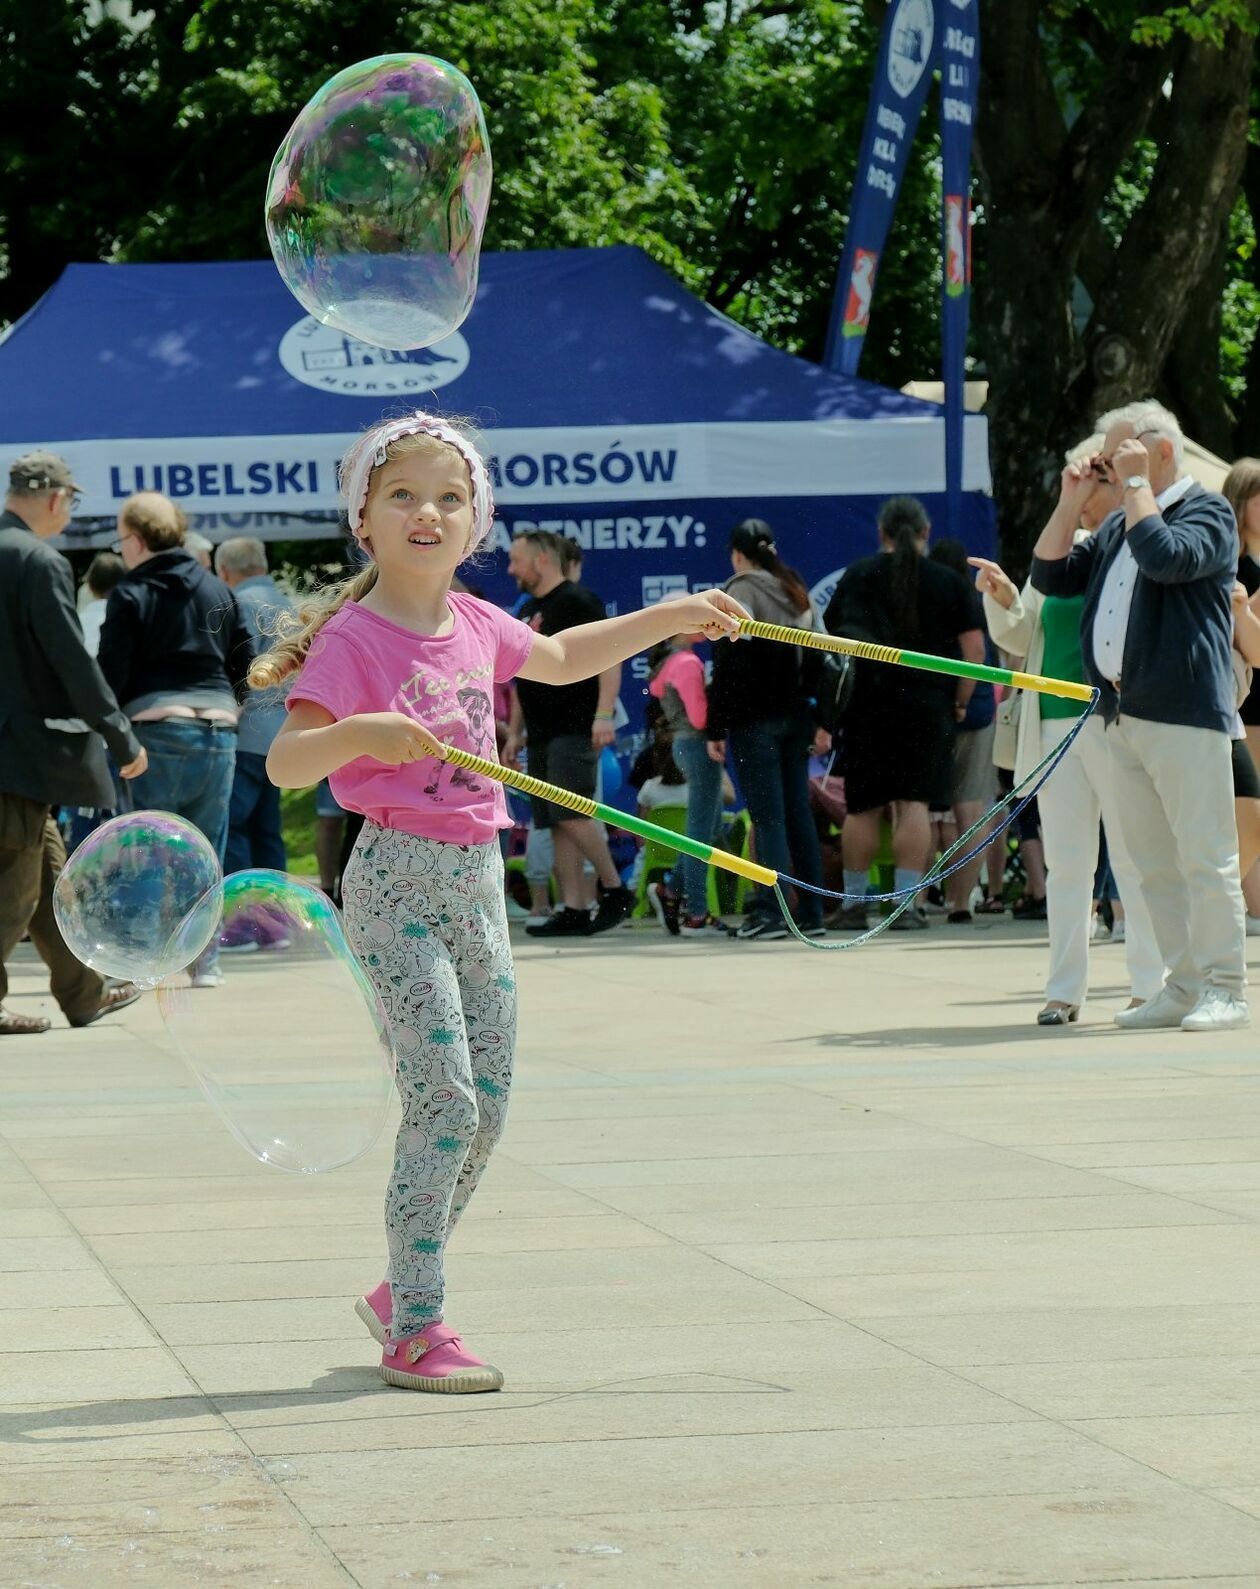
<point>1142,583</point>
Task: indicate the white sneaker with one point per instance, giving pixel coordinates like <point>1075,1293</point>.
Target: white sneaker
<point>1099,931</point>
<point>207,979</point>
<point>1253,926</point>
<point>1117,931</point>
<point>1217,1011</point>
<point>538,921</point>
<point>516,911</point>
<point>1165,1009</point>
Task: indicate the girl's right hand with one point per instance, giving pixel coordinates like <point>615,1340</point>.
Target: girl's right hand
<point>393,738</point>
<point>991,581</point>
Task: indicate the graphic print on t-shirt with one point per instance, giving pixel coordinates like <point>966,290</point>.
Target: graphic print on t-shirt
<point>440,706</point>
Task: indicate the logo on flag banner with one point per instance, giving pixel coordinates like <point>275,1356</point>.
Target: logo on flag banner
<point>957,245</point>
<point>857,312</point>
<point>910,48</point>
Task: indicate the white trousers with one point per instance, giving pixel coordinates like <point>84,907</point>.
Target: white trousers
<point>1174,794</point>
<point>1077,794</point>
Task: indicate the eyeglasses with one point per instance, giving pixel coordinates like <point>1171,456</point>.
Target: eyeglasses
<point>1102,466</point>
<point>75,498</point>
<point>117,545</point>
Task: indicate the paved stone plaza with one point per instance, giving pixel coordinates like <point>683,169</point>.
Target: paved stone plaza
<point>802,1270</point>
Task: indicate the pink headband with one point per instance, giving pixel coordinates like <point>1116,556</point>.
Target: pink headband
<point>372,449</point>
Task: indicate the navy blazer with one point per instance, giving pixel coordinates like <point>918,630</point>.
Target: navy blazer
<point>1176,666</point>
<point>47,675</point>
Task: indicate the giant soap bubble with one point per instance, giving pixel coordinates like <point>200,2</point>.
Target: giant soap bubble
<point>293,1050</point>
<point>377,200</point>
<point>125,891</point>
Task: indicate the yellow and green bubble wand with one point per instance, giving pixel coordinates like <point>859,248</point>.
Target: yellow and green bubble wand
<point>751,629</point>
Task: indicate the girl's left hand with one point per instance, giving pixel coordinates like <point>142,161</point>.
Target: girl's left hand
<point>708,612</point>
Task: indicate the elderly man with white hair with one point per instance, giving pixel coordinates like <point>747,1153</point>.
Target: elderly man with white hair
<point>1156,631</point>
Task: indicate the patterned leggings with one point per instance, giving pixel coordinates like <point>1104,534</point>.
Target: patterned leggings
<point>427,919</point>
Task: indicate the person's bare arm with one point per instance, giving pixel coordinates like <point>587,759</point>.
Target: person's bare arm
<point>602,730</point>
<point>592,648</point>
<point>313,743</point>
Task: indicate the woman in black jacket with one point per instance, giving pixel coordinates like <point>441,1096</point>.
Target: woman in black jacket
<point>759,701</point>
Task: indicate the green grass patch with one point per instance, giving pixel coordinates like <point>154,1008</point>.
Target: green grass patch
<point>297,810</point>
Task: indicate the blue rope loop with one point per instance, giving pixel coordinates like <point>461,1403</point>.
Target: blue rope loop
<point>1020,796</point>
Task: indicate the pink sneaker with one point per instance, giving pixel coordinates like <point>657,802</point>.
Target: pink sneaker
<point>446,1364</point>
<point>376,1309</point>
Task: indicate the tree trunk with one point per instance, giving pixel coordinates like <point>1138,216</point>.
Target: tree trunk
<point>1192,382</point>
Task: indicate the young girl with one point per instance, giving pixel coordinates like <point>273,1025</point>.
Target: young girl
<point>392,664</point>
<point>677,681</point>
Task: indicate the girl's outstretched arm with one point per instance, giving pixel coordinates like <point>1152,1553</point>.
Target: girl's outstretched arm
<point>590,648</point>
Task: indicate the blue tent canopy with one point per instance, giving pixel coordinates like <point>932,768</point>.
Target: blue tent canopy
<point>615,407</point>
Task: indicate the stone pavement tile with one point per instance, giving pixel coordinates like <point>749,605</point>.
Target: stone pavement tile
<point>281,1556</point>
<point>76,1288</point>
<point>241,1282</point>
<point>29,1126</point>
<point>21,1194</point>
<point>650,1141</point>
<point>85,1329</point>
<point>63,1252</point>
<point>75,1433</point>
<point>105,1375</point>
<point>330,1318</point>
<point>1245,1498</point>
<point>1071,1334</point>
<point>963,1172</point>
<point>1218,1242</point>
<point>43,1221</point>
<point>1129,1540</point>
<point>366,1242</point>
<point>1128,1388</point>
<point>177,1490</point>
<point>1201,1181</point>
<point>313,1210</point>
<point>715,1403</point>
<point>243,1184</point>
<point>712,1471</point>
<point>1125,1154</point>
<point>1204,1450</point>
<point>1115,1211</point>
<point>627,1099</point>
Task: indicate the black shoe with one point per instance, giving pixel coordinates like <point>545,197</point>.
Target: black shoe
<point>764,928</point>
<point>565,923</point>
<point>615,905</point>
<point>912,920</point>
<point>1029,908</point>
<point>852,918</point>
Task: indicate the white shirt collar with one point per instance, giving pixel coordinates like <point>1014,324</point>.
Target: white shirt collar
<point>1175,492</point>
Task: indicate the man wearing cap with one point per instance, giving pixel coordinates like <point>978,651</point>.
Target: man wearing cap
<point>57,714</point>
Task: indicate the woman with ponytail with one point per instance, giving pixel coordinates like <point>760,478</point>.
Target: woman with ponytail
<point>759,700</point>
<point>898,748</point>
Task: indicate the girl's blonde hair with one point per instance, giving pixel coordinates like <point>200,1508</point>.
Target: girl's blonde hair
<point>418,434</point>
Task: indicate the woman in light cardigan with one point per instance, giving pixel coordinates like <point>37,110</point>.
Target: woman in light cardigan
<point>1029,625</point>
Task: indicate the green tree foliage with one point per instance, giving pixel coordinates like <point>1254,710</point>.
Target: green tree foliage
<point>721,136</point>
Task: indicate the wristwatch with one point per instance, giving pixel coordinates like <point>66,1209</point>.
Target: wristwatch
<point>1135,482</point>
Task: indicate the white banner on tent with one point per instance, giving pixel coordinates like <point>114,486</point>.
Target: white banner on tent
<point>294,475</point>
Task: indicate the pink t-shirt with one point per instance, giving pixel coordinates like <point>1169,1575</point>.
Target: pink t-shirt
<point>361,662</point>
<point>685,671</point>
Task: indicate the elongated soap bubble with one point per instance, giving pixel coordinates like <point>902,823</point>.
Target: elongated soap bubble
<point>124,893</point>
<point>377,201</point>
<point>293,1050</point>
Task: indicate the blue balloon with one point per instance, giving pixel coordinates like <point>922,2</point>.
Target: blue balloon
<point>611,774</point>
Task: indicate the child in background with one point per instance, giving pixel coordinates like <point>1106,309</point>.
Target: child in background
<point>393,665</point>
<point>677,682</point>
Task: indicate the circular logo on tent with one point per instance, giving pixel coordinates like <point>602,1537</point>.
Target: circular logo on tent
<point>824,590</point>
<point>910,45</point>
<point>323,357</point>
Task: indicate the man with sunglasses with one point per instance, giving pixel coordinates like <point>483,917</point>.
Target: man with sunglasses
<point>1156,634</point>
<point>57,715</point>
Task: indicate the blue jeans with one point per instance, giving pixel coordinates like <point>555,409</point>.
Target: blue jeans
<point>190,775</point>
<point>254,836</point>
<point>772,764</point>
<point>704,809</point>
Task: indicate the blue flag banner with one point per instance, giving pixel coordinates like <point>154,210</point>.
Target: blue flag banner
<point>959,59</point>
<point>903,75</point>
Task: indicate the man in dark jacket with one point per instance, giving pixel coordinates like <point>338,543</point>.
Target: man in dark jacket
<point>1156,630</point>
<point>57,714</point>
<point>176,650</point>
